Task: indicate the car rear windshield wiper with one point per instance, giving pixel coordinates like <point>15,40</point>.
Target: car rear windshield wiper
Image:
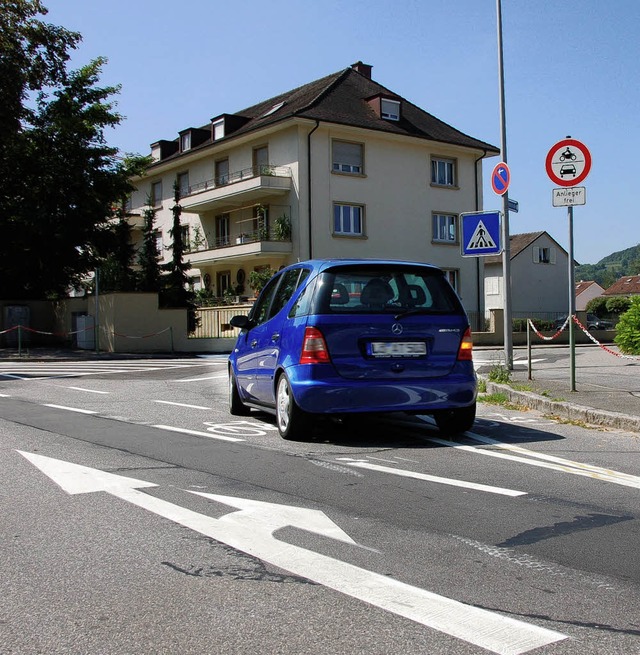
<point>412,312</point>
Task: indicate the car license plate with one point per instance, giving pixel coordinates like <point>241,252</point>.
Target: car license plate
<point>398,348</point>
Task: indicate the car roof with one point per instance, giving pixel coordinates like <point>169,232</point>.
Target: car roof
<point>323,264</point>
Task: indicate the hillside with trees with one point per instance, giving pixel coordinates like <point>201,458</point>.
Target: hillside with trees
<point>611,267</point>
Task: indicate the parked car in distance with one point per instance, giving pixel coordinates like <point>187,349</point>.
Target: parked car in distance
<point>593,323</point>
<point>349,337</point>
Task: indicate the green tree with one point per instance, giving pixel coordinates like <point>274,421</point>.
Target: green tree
<point>60,179</point>
<point>148,255</point>
<point>628,329</point>
<point>177,290</point>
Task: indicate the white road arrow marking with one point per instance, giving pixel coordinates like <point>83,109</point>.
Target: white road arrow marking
<point>251,531</point>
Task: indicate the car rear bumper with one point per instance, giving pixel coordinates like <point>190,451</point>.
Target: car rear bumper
<point>318,390</point>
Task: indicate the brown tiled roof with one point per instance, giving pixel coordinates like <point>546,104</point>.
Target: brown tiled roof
<point>341,98</point>
<point>517,243</point>
<point>625,286</point>
<point>583,285</point>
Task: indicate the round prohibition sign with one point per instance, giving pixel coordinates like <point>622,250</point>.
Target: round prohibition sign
<point>568,162</point>
<point>500,178</point>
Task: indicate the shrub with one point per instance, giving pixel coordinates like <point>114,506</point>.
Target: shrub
<point>628,330</point>
<point>597,306</point>
<point>618,304</point>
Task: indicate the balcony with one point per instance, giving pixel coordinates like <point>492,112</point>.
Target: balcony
<point>249,244</point>
<point>254,184</point>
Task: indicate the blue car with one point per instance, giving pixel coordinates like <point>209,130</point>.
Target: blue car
<point>347,337</point>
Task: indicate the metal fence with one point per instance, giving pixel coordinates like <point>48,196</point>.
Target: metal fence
<point>215,322</point>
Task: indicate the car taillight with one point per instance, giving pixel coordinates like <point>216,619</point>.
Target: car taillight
<point>466,347</point>
<point>314,347</point>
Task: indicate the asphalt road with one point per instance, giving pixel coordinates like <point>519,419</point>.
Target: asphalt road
<point>380,536</point>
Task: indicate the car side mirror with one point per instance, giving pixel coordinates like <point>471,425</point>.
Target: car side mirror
<point>242,321</point>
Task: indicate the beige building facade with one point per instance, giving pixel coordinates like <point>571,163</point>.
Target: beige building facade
<point>340,167</point>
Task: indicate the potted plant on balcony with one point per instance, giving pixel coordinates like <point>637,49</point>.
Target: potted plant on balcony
<point>257,279</point>
<point>282,228</point>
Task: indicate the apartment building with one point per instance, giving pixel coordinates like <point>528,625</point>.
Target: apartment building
<point>339,167</point>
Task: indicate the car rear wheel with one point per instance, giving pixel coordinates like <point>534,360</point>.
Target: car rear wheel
<point>456,421</point>
<point>236,406</point>
<point>292,422</point>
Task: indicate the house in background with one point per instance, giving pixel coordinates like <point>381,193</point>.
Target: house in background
<point>586,291</point>
<point>339,167</point>
<point>539,277</point>
<point>629,285</point>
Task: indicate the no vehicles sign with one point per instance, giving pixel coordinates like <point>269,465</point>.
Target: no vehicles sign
<point>568,162</point>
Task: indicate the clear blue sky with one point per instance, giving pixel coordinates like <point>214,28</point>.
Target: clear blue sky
<point>571,68</point>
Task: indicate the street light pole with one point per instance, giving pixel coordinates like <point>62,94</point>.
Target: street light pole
<point>506,252</point>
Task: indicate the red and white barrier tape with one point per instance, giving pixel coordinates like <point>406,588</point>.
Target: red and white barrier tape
<point>586,331</point>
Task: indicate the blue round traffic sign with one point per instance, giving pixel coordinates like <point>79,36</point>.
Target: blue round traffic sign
<point>500,178</point>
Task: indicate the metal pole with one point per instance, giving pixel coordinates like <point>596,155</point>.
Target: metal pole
<point>506,253</point>
<point>97,321</point>
<point>529,350</point>
<point>572,302</point>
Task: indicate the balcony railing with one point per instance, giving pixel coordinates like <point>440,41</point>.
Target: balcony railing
<point>237,176</point>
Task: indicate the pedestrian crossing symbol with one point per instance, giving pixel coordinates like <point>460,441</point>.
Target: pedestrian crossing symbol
<point>481,234</point>
<point>481,239</point>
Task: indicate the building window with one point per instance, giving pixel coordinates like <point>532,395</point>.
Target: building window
<point>156,194</point>
<point>390,109</point>
<point>445,228</point>
<point>347,157</point>
<point>186,240</point>
<point>159,245</point>
<point>542,255</point>
<point>347,220</point>
<point>222,172</point>
<point>218,129</point>
<point>183,184</point>
<point>222,230</point>
<point>185,142</point>
<point>443,172</point>
<point>261,161</point>
<point>452,275</point>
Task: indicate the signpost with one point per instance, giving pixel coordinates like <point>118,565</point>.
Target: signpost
<point>568,163</point>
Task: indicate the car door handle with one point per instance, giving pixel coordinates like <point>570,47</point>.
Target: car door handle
<point>275,336</point>
<point>254,343</point>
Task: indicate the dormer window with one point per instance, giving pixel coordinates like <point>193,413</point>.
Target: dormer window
<point>218,129</point>
<point>185,141</point>
<point>390,109</point>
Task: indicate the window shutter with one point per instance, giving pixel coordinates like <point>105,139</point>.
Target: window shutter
<point>536,255</point>
<point>347,153</point>
<point>552,255</point>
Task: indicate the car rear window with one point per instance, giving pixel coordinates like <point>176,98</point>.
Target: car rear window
<point>387,289</point>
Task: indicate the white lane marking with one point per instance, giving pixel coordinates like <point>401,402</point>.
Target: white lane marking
<point>553,463</point>
<point>201,379</point>
<point>360,463</point>
<point>617,475</point>
<point>4,395</point>
<point>87,390</point>
<point>208,435</point>
<point>71,409</point>
<point>168,402</point>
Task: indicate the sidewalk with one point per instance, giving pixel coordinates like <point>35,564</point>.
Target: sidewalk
<point>607,387</point>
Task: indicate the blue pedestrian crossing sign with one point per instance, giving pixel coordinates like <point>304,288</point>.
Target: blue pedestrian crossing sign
<point>481,233</point>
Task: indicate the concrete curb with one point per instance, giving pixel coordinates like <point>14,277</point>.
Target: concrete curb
<point>567,410</point>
